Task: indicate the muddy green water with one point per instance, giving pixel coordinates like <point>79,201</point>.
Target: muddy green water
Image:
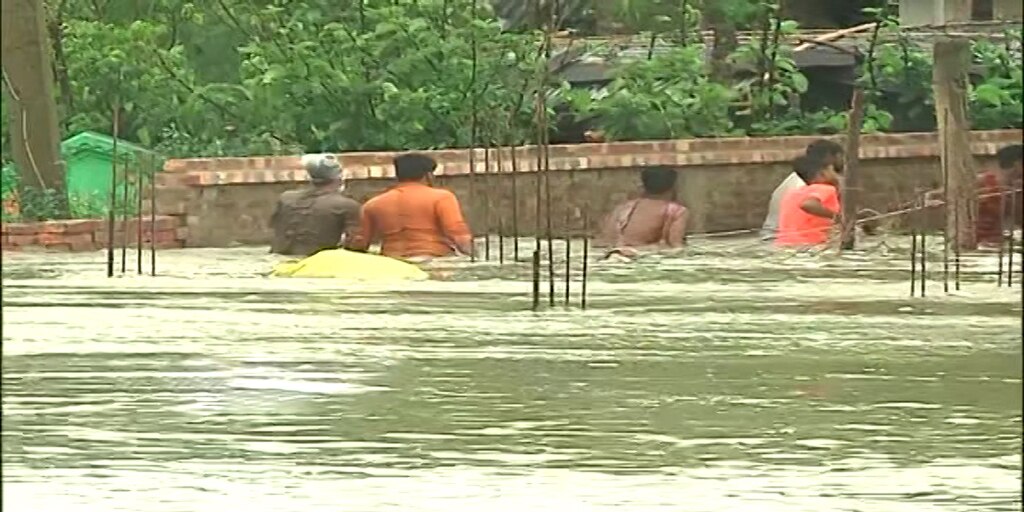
<point>728,378</point>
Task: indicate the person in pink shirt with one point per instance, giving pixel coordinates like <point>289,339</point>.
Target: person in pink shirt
<point>807,213</point>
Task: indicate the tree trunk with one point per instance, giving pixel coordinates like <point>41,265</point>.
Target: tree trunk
<point>725,40</point>
<point>55,27</point>
<point>28,75</point>
<point>952,60</point>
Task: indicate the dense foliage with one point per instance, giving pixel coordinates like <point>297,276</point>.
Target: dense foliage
<point>227,77</point>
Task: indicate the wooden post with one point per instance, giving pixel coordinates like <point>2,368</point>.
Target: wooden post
<point>852,182</point>
<point>28,79</point>
<point>952,59</point>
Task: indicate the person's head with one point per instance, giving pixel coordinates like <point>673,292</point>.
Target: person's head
<point>1011,159</point>
<point>658,181</point>
<point>412,167</point>
<point>815,170</point>
<point>827,151</point>
<point>324,170</point>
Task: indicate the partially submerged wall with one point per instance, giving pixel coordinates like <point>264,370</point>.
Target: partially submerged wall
<point>726,183</point>
<point>91,234</point>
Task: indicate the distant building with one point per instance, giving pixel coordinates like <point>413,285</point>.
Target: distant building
<point>939,12</point>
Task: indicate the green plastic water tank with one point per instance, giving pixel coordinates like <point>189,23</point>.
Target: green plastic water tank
<point>88,158</point>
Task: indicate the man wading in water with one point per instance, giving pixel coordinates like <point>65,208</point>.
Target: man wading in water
<point>808,213</point>
<point>413,219</point>
<point>317,217</point>
<point>823,150</point>
<point>654,219</point>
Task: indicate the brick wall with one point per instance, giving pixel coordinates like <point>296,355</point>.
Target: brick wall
<point>90,234</point>
<point>726,183</point>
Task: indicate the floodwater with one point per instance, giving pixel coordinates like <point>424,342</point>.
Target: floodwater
<point>729,378</point>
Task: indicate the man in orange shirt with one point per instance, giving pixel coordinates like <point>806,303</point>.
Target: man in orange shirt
<point>807,213</point>
<point>414,219</point>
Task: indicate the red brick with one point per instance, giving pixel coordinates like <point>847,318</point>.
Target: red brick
<point>48,239</point>
<point>22,240</point>
<point>19,228</point>
<point>52,226</point>
<point>176,165</point>
<point>82,226</point>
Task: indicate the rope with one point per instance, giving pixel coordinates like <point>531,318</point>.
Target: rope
<point>24,130</point>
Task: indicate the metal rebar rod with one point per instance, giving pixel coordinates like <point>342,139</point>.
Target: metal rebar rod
<point>124,217</point>
<point>111,213</point>
<point>1009,262</point>
<point>586,262</point>
<point>139,180</point>
<point>1003,238</point>
<point>154,164</point>
<point>499,177</point>
<point>1009,257</point>
<point>473,128</point>
<point>924,261</point>
<point>568,268</point>
<point>913,263</point>
<point>501,241</point>
<point>536,280</point>
<point>486,198</point>
<point>944,161</point>
<point>956,244</point>
<point>515,202</point>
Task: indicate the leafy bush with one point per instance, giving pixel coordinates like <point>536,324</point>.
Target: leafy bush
<point>668,96</point>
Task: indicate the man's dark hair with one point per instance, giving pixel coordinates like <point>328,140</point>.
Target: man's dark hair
<point>808,167</point>
<point>1009,156</point>
<point>658,180</point>
<point>823,148</point>
<point>413,166</point>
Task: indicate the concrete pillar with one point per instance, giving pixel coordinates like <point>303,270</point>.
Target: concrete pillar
<point>1007,10</point>
<point>934,12</point>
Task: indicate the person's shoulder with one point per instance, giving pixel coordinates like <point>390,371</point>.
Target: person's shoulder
<point>442,193</point>
<point>823,188</point>
<point>676,209</point>
<point>379,199</point>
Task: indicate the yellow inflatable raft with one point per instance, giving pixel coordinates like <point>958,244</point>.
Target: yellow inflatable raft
<point>349,265</point>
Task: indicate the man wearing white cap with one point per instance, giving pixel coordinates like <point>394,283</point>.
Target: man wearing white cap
<point>317,217</point>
